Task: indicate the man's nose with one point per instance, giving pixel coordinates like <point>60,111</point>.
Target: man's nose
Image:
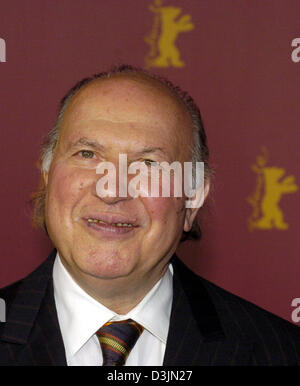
<point>112,187</point>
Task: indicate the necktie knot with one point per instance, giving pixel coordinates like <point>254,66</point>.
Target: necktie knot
<point>117,339</point>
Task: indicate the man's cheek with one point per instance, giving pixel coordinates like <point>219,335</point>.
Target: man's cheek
<point>162,209</point>
<point>66,186</point>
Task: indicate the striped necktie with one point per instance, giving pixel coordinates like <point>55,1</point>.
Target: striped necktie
<point>117,340</point>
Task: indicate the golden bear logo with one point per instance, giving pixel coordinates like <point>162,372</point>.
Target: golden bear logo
<point>270,187</point>
<point>165,30</point>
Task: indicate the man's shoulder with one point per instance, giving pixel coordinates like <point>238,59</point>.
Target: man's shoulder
<point>241,317</point>
<point>29,288</point>
<point>251,315</point>
<point>9,292</point>
<point>270,339</point>
<point>8,295</point>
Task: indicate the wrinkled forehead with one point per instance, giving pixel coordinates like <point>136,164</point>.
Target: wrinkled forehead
<point>131,101</point>
<point>127,97</point>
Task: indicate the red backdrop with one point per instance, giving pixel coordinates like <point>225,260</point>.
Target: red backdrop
<point>239,60</point>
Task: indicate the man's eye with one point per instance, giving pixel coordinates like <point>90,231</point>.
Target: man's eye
<point>87,153</point>
<point>149,162</point>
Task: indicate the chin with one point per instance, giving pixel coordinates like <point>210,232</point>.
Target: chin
<point>106,265</point>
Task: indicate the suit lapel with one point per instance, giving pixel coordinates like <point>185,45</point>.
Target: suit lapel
<point>196,336</point>
<point>32,323</point>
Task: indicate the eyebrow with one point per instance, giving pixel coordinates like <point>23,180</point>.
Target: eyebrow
<point>151,150</point>
<point>83,141</point>
<point>87,142</point>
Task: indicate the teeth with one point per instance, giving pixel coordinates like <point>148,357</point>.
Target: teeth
<point>95,220</point>
<point>119,224</point>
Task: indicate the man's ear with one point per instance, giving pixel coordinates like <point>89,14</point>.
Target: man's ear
<point>193,205</point>
<point>45,177</point>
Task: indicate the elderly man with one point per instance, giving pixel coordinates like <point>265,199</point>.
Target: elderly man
<point>113,292</point>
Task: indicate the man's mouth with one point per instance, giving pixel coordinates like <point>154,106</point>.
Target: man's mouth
<point>111,224</point>
<point>119,224</point>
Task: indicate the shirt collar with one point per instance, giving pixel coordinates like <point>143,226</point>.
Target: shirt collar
<point>80,315</point>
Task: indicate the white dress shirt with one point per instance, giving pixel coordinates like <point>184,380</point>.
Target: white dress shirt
<point>80,316</point>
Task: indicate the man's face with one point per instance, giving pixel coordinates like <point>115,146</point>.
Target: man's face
<point>105,119</point>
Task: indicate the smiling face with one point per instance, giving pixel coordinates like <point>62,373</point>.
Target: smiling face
<point>121,115</point>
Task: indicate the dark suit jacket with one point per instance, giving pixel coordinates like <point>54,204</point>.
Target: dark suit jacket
<point>208,325</point>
